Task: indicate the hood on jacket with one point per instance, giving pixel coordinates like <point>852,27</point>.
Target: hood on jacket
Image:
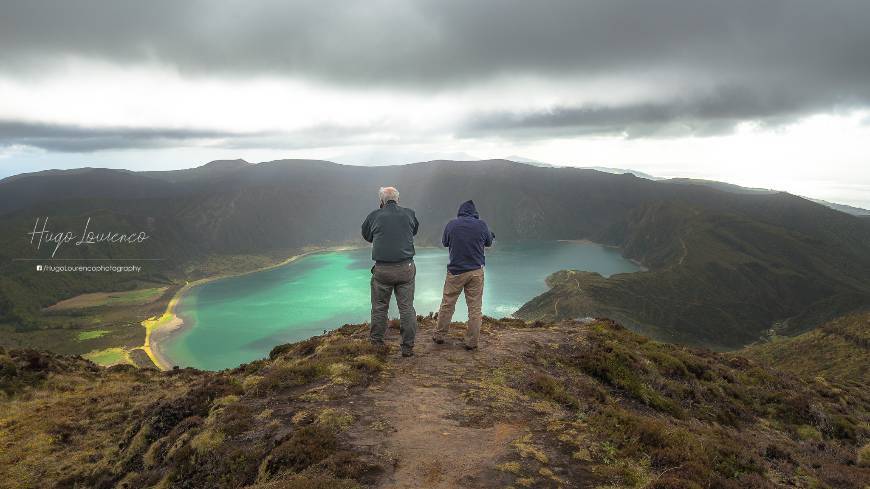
<point>467,209</point>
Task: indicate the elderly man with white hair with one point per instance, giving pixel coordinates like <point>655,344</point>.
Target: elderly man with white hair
<point>391,230</point>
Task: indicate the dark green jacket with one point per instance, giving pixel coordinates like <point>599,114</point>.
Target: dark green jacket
<point>391,229</point>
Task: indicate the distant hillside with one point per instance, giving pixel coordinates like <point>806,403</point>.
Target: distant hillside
<point>848,209</point>
<point>729,187</point>
<point>209,171</point>
<point>726,187</point>
<point>838,350</point>
<point>716,272</point>
<point>723,267</point>
<point>620,171</point>
<point>529,161</point>
<point>570,405</point>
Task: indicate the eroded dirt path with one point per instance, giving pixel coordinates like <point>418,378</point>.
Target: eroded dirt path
<point>424,416</point>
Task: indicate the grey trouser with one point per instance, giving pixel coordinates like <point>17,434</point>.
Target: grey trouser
<point>385,279</point>
<point>472,283</point>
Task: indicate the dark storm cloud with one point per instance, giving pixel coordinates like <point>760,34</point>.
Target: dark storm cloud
<point>711,114</point>
<point>67,138</point>
<point>784,57</point>
<point>433,42</point>
<point>78,139</point>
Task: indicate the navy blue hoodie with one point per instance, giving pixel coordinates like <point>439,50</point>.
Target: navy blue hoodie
<point>466,236</point>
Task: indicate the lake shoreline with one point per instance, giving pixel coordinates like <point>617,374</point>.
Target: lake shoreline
<point>159,329</point>
<point>203,342</point>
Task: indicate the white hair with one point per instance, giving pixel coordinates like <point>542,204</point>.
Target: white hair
<point>386,194</point>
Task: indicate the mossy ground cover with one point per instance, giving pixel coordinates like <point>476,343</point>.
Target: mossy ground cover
<point>67,422</point>
<point>109,357</point>
<point>589,405</point>
<point>91,334</point>
<point>838,350</point>
<point>675,417</point>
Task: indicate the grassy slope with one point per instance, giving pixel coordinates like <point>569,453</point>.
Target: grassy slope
<point>109,356</point>
<point>119,313</point>
<point>601,406</point>
<point>715,280</point>
<point>81,331</point>
<point>838,350</point>
<point>97,299</point>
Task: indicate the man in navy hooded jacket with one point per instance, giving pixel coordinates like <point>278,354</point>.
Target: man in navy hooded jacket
<point>466,236</point>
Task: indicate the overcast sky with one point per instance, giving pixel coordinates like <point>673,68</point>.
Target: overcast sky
<point>756,92</point>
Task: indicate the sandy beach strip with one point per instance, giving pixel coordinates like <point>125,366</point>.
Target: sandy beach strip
<point>158,356</point>
<point>158,329</point>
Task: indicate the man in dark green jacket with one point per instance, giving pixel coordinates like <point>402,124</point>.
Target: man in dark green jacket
<point>391,230</point>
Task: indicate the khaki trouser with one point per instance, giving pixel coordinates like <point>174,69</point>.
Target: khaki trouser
<point>400,278</point>
<point>472,283</point>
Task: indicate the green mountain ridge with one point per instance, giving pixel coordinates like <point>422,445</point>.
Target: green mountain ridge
<point>735,264</point>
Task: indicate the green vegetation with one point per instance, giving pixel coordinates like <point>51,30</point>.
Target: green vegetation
<point>722,277</point>
<point>596,403</point>
<point>80,332</point>
<point>838,350</point>
<point>864,456</point>
<point>185,428</point>
<point>89,335</point>
<point>675,417</point>
<point>103,320</point>
<point>549,387</point>
<point>723,267</point>
<point>109,356</point>
<point>110,299</point>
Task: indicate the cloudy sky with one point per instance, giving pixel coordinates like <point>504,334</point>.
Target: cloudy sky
<point>768,93</point>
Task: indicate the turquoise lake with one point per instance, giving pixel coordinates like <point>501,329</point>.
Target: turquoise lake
<point>239,319</point>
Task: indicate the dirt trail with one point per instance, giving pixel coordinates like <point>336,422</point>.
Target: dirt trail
<point>417,415</point>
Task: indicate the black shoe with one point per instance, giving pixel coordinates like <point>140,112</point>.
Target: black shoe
<point>470,348</point>
<point>437,341</point>
<point>407,353</point>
